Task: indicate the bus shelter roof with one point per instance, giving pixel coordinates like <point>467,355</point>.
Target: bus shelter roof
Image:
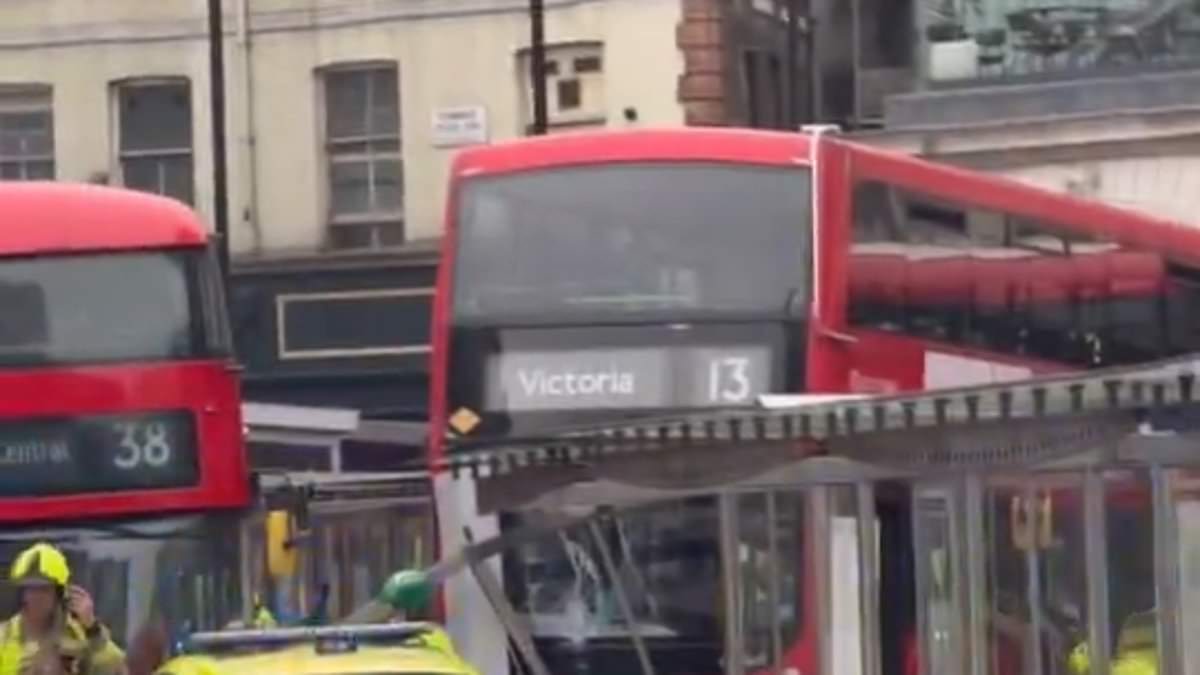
<point>1117,414</point>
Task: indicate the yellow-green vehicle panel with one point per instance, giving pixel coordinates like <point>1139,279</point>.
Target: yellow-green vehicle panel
<point>430,654</point>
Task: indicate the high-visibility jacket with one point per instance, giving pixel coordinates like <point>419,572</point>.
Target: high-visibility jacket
<point>261,619</point>
<point>86,655</point>
<point>1136,653</point>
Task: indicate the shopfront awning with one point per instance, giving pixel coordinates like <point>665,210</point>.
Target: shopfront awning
<point>1033,422</point>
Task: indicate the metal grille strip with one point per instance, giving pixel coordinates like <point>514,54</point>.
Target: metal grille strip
<point>1162,384</point>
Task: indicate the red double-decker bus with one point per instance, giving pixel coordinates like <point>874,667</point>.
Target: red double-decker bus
<point>597,276</point>
<point>121,438</point>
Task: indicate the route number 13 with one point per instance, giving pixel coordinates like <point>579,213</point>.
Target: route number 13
<point>729,379</point>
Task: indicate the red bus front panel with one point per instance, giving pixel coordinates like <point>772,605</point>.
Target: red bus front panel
<point>99,441</point>
<point>118,394</point>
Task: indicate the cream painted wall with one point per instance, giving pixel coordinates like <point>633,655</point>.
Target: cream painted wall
<point>1160,183</point>
<point>1163,186</point>
<point>449,52</point>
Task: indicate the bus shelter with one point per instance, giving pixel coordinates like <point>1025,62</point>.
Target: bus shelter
<point>1045,526</point>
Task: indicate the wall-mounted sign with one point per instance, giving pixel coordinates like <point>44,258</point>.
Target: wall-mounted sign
<point>458,126</point>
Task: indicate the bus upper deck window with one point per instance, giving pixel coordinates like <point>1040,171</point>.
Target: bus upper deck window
<point>23,321</point>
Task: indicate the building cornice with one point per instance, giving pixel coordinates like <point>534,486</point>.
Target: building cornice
<point>1022,142</point>
<point>329,15</point>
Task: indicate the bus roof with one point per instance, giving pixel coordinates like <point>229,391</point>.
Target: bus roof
<point>780,147</point>
<point>46,217</point>
<point>632,145</point>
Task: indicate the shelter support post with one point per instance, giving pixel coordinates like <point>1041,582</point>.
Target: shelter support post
<point>976,562</point>
<point>610,568</point>
<point>1033,591</point>
<point>517,635</point>
<point>728,523</point>
<point>819,499</point>
<point>1166,572</point>
<point>1096,547</point>
<point>773,569</point>
<point>868,546</point>
<point>937,536</point>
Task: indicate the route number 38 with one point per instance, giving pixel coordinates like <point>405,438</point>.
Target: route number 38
<point>142,444</point>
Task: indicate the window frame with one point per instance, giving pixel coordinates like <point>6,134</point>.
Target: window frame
<point>122,155</point>
<point>473,188</point>
<point>29,98</point>
<point>342,150</point>
<point>561,70</point>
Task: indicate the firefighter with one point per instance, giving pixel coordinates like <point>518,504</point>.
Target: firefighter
<point>260,615</point>
<point>56,630</point>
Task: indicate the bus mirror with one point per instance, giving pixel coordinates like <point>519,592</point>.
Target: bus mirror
<point>281,545</point>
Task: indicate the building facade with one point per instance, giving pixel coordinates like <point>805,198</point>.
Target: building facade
<point>1096,98</point>
<point>342,118</point>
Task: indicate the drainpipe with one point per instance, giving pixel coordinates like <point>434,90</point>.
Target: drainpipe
<point>216,78</point>
<point>537,65</point>
<point>250,136</point>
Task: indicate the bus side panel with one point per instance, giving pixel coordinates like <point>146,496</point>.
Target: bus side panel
<point>828,355</point>
<point>467,613</point>
<point>886,364</point>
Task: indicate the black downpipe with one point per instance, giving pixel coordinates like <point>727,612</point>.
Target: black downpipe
<point>537,66</point>
<point>815,103</point>
<point>216,79</point>
<point>792,71</point>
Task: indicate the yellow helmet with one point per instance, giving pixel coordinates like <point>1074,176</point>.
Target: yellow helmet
<point>39,565</point>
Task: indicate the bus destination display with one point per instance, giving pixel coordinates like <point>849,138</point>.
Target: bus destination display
<point>629,378</point>
<point>111,453</point>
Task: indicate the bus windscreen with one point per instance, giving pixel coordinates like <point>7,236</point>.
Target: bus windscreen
<point>79,309</point>
<point>629,240</point>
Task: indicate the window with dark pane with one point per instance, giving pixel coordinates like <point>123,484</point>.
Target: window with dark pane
<point>363,149</point>
<point>155,137</point>
<point>570,94</point>
<point>587,64</point>
<point>26,133</point>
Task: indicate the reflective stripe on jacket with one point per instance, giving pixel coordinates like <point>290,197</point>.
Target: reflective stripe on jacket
<point>97,655</point>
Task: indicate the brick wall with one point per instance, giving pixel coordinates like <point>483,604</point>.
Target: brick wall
<point>703,85</point>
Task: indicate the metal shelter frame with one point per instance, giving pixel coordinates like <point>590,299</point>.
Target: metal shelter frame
<point>941,442</point>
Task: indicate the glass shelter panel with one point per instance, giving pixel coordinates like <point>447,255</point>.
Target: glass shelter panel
<point>1185,497</point>
<point>940,582</point>
<point>668,561</point>
<point>352,550</point>
<point>1129,527</point>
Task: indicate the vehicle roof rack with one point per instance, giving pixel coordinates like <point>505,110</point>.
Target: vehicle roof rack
<point>279,637</point>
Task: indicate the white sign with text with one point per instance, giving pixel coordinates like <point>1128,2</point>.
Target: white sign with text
<point>459,126</point>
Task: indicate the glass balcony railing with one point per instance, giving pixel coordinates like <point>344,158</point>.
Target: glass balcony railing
<point>971,40</point>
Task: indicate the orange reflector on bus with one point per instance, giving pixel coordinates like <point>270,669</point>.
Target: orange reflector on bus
<point>464,420</point>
